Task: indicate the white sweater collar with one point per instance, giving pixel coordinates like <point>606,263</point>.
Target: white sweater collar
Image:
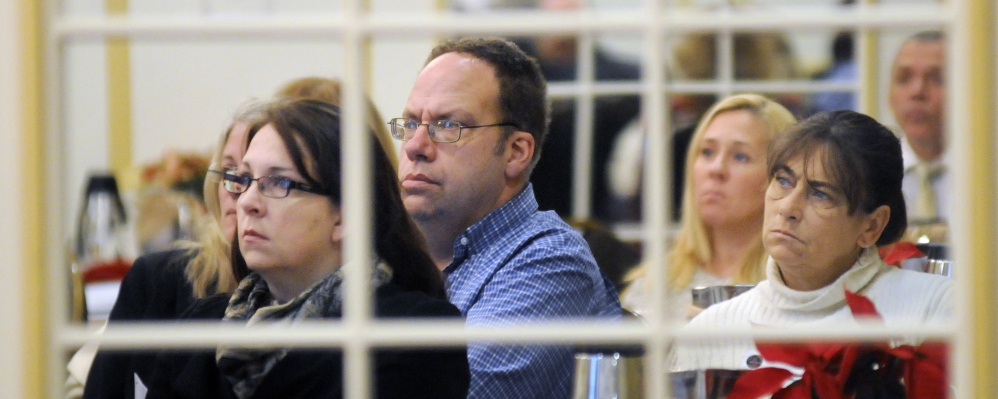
<point>830,297</point>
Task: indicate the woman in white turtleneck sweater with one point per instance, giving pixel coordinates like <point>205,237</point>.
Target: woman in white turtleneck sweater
<point>834,196</point>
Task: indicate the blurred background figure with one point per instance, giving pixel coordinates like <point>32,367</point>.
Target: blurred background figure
<point>718,242</point>
<point>756,56</point>
<point>842,69</point>
<point>557,54</point>
<point>918,97</point>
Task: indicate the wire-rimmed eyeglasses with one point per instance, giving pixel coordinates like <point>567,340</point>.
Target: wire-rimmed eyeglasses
<point>441,131</point>
<point>269,186</point>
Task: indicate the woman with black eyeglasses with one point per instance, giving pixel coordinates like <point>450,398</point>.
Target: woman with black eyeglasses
<point>288,254</point>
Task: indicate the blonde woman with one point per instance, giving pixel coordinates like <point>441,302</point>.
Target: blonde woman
<point>718,241</point>
<point>161,285</point>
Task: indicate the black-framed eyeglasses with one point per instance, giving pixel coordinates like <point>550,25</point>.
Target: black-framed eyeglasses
<point>441,131</point>
<point>269,186</point>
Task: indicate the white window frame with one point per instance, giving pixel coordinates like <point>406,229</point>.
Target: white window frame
<point>357,331</point>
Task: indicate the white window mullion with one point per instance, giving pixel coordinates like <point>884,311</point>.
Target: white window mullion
<point>357,197</point>
<point>584,115</point>
<point>58,292</point>
<point>655,193</point>
<point>725,62</point>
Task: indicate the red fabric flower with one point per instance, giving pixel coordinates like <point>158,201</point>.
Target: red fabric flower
<point>759,382</point>
<point>862,306</point>
<point>829,368</point>
<point>924,369</point>
<point>896,253</point>
<point>826,369</point>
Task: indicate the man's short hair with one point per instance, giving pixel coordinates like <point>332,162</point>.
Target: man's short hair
<point>522,87</point>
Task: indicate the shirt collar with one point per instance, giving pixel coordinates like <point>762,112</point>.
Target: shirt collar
<point>504,219</point>
<point>910,159</point>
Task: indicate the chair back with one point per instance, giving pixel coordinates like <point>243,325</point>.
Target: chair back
<point>704,297</point>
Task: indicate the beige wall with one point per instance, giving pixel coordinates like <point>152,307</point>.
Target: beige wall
<point>10,291</point>
<point>18,235</point>
<point>182,92</point>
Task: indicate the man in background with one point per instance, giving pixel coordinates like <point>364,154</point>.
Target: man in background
<point>917,98</point>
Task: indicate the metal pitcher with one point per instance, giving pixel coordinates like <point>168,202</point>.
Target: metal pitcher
<point>613,375</point>
<point>941,267</point>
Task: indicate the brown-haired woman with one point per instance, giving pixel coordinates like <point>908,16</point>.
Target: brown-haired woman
<point>834,196</point>
<point>290,239</point>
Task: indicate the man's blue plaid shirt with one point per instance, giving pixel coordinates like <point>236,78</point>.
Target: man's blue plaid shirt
<point>519,264</point>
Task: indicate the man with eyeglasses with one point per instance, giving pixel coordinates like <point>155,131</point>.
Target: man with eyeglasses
<point>472,130</point>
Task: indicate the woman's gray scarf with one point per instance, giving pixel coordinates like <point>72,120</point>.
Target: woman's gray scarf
<point>252,302</point>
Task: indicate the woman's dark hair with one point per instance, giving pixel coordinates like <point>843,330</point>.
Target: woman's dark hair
<point>861,156</point>
<point>311,132</point>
